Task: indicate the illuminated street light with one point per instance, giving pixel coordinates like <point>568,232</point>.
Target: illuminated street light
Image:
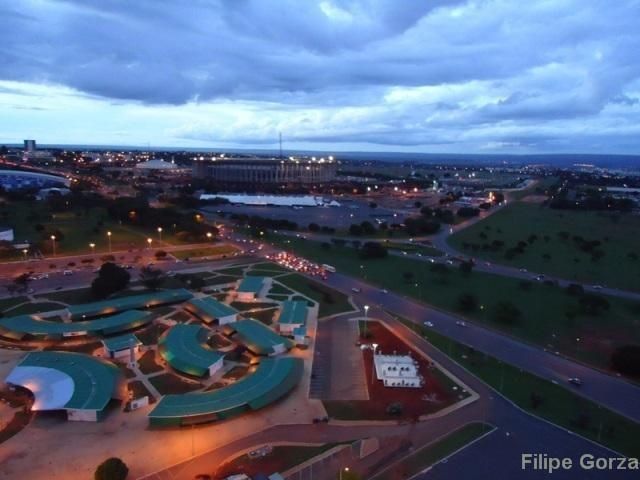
<point>149,240</point>
<point>93,247</point>
<point>53,244</point>
<point>345,469</point>
<point>109,237</point>
<point>209,235</point>
<point>366,319</point>
<point>373,369</point>
<point>24,252</point>
<point>160,234</point>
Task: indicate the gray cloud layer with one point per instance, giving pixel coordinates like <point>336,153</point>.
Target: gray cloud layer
<point>547,74</point>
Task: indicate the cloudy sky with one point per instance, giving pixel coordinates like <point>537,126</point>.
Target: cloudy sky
<point>478,76</point>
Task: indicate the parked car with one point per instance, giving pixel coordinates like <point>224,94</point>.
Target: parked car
<point>356,290</point>
<point>66,273</point>
<point>575,381</point>
<point>460,323</point>
<point>428,324</point>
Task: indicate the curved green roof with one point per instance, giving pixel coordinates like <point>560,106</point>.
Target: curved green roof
<point>209,309</point>
<point>94,381</point>
<point>20,326</point>
<point>145,300</point>
<point>251,284</point>
<point>184,348</point>
<point>257,337</point>
<point>273,378</point>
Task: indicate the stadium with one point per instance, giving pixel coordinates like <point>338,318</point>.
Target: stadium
<point>266,170</point>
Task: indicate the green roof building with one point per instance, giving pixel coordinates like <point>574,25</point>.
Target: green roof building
<point>272,379</point>
<point>208,309</point>
<point>22,326</point>
<point>80,384</point>
<point>257,337</point>
<point>184,348</point>
<point>115,305</point>
<point>121,346</point>
<point>293,314</point>
<point>251,288</point>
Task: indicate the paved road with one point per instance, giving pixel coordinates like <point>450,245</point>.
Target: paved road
<point>612,392</point>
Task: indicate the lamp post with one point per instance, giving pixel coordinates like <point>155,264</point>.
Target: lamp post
<point>93,248</point>
<point>160,234</point>
<point>366,319</point>
<point>53,244</point>
<point>149,240</point>
<point>24,252</point>
<point>109,237</point>
<point>345,469</point>
<point>373,369</point>
<point>209,235</point>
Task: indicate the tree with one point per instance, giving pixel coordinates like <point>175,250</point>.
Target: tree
<point>593,304</point>
<point>395,408</point>
<point>21,282</point>
<point>355,230</point>
<point>373,205</point>
<point>111,278</point>
<point>466,267</point>
<point>372,250</point>
<point>626,360</point>
<point>535,400</point>
<point>467,302</point>
<point>314,227</point>
<point>575,289</point>
<point>507,313</point>
<point>468,212</point>
<point>152,278</point>
<point>111,469</point>
<point>161,254</point>
<point>367,228</point>
<point>408,276</point>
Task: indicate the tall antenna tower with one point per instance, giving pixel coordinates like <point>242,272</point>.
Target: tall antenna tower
<point>280,136</point>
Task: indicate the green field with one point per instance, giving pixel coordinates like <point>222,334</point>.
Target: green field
<point>331,301</point>
<point>552,402</point>
<point>556,253</point>
<point>434,452</point>
<point>205,252</point>
<point>548,315</point>
<point>79,227</point>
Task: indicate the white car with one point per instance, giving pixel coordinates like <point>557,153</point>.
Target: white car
<point>384,290</point>
<point>66,273</point>
<point>460,323</point>
<point>355,290</point>
<point>428,324</point>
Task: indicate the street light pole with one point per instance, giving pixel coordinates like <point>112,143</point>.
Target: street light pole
<point>149,240</point>
<point>345,469</point>
<point>53,244</point>
<point>366,319</point>
<point>93,248</point>
<point>24,252</point>
<point>160,234</point>
<point>373,369</point>
<point>109,237</point>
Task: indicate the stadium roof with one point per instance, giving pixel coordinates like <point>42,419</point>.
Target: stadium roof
<point>145,300</point>
<point>121,342</point>
<point>251,284</point>
<point>273,378</point>
<point>258,338</point>
<point>183,347</point>
<point>66,380</point>
<point>22,325</point>
<point>293,312</point>
<point>209,309</point>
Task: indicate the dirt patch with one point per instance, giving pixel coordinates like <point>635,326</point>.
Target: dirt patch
<point>429,398</point>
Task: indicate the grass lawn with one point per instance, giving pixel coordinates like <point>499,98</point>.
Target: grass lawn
<point>236,271</point>
<point>552,402</point>
<point>331,301</point>
<point>548,315</point>
<point>281,459</point>
<point>9,302</point>
<point>147,362</point>
<point>168,384</point>
<point>138,390</point>
<point>277,289</point>
<point>274,267</point>
<point>29,308</point>
<point>557,253</point>
<point>205,252</point>
<point>79,228</point>
<point>434,452</point>
<point>79,295</point>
